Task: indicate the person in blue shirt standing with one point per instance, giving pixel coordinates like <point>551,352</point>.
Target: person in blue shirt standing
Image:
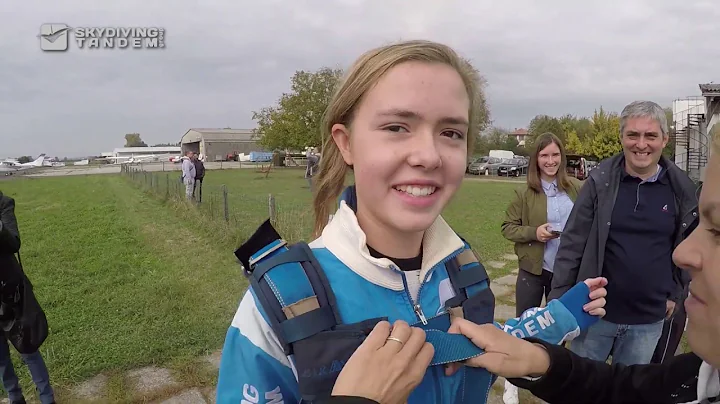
<point>403,120</point>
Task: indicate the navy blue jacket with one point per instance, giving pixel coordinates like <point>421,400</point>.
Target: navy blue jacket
<point>582,245</point>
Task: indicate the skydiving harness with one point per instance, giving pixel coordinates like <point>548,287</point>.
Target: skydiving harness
<point>300,306</point>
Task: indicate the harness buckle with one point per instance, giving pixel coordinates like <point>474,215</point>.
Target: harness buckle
<point>253,260</point>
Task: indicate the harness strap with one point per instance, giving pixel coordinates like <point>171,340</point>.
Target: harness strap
<point>448,347</point>
<point>466,275</point>
<point>451,347</point>
<point>290,285</point>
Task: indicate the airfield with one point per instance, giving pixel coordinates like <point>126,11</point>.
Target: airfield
<point>116,168</point>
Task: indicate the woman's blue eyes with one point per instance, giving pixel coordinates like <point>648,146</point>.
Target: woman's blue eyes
<point>451,133</point>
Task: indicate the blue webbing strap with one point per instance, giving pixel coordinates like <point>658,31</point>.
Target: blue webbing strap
<point>451,347</point>
<point>448,347</point>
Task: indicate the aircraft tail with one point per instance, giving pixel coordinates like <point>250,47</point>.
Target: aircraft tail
<point>39,161</point>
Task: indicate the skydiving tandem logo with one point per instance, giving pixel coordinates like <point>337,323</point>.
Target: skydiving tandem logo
<point>56,37</point>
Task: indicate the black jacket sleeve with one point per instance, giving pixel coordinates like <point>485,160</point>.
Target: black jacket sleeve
<point>573,379</point>
<point>573,240</point>
<point>9,234</point>
<point>348,400</point>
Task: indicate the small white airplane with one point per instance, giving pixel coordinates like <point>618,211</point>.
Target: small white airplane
<point>11,167</point>
<point>130,160</point>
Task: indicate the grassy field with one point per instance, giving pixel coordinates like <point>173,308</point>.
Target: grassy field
<point>476,212</point>
<point>129,279</point>
<point>124,281</point>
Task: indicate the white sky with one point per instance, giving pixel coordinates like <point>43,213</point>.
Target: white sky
<point>225,58</point>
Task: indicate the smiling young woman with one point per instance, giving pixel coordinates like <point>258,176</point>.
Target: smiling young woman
<point>403,120</point>
<point>534,221</point>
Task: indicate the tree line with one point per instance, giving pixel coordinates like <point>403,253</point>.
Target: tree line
<point>294,122</point>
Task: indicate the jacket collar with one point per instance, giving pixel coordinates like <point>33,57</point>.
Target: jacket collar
<point>344,238</point>
<point>612,168</point>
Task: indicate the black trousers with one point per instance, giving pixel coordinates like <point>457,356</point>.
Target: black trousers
<point>672,332</point>
<point>530,289</point>
<point>198,187</point>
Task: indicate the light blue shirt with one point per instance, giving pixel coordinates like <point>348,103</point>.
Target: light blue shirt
<point>559,206</point>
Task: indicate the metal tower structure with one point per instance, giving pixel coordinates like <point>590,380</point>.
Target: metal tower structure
<point>689,131</point>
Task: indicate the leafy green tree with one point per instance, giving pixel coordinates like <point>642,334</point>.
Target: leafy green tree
<point>605,135</point>
<point>134,140</point>
<point>573,144</point>
<point>544,123</point>
<point>296,120</point>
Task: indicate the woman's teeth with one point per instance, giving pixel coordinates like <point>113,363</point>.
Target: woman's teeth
<point>415,190</point>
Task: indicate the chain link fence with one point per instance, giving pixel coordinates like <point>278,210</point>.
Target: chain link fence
<point>233,212</point>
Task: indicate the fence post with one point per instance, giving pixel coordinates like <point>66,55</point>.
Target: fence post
<point>225,203</point>
<point>271,208</point>
<point>167,187</point>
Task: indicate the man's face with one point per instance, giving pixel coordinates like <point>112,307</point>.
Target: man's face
<point>643,143</point>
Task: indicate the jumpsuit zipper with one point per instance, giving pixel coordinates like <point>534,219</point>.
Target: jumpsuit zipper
<point>421,315</point>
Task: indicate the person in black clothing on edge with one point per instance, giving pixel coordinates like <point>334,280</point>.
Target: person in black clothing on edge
<point>199,175</point>
<point>556,374</point>
<point>11,278</point>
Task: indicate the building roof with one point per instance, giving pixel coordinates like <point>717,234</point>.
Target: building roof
<point>225,135</point>
<point>710,88</point>
<point>519,132</point>
<point>163,149</point>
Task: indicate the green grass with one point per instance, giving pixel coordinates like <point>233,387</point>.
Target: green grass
<point>129,278</point>
<point>475,213</point>
<point>124,281</point>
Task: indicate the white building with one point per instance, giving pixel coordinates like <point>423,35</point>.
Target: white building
<point>693,121</point>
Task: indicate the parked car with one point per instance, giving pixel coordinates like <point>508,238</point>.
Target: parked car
<point>486,168</point>
<point>475,163</point>
<point>512,167</point>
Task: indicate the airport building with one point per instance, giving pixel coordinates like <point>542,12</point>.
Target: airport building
<point>694,120</point>
<point>219,144</point>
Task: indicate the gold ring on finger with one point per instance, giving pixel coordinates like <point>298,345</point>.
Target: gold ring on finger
<point>391,338</point>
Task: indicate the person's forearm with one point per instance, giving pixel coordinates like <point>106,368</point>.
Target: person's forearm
<point>573,379</point>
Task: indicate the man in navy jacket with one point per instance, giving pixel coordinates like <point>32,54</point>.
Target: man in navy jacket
<point>631,213</point>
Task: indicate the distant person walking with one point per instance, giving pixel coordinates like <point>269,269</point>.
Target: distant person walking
<point>199,175</point>
<point>312,165</point>
<point>12,279</point>
<point>188,175</point>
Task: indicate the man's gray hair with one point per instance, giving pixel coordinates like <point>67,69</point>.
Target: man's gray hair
<point>645,109</point>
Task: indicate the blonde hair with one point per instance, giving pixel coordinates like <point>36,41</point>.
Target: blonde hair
<point>359,79</point>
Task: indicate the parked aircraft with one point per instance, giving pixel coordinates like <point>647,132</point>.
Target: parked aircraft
<point>130,160</point>
<point>11,167</point>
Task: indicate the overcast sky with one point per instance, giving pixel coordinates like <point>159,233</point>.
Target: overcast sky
<point>225,58</point>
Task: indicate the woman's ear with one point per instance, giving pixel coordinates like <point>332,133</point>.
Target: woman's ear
<point>341,135</point>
